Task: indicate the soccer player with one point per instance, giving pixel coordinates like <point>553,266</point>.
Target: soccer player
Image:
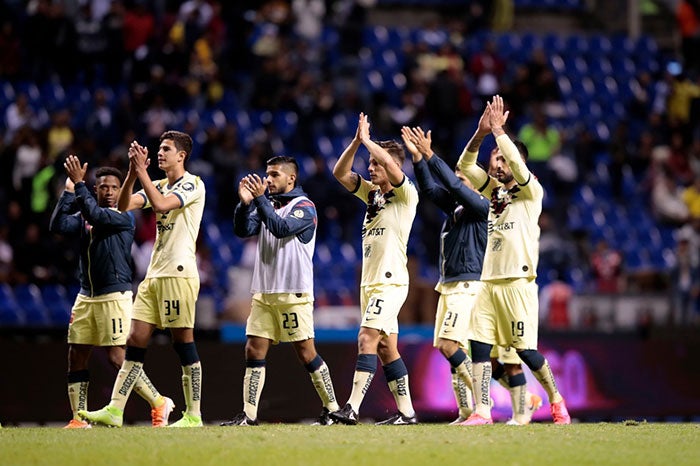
<point>506,310</point>
<point>282,287</point>
<point>462,244</point>
<point>166,298</point>
<point>101,314</point>
<point>391,202</point>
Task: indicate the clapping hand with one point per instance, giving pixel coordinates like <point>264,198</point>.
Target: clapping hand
<point>408,140</point>
<point>75,171</point>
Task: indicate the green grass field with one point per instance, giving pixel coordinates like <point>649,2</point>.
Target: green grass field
<point>294,444</point>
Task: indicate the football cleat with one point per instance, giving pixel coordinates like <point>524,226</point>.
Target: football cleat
<point>345,415</point>
<point>240,419</point>
<point>160,415</point>
<point>458,421</point>
<point>109,416</point>
<point>77,424</point>
<point>398,419</point>
<point>477,420</point>
<point>559,412</point>
<point>324,419</point>
<point>188,420</point>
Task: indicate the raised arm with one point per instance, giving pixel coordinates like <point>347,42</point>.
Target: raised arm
<point>498,117</point>
<point>127,200</point>
<point>393,169</point>
<point>426,184</point>
<point>246,221</point>
<point>342,171</point>
<point>92,212</point>
<point>64,218</point>
<point>467,160</point>
<point>138,155</point>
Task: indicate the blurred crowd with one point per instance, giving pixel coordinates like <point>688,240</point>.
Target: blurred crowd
<point>89,76</point>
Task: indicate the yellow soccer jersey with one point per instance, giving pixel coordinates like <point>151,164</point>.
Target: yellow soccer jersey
<point>512,250</point>
<point>176,231</point>
<point>385,232</point>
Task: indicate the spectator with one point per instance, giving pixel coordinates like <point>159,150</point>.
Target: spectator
<point>685,284</point>
<point>488,68</point>
<point>607,268</point>
<point>18,114</point>
<point>60,134</point>
<point>666,200</point>
<point>688,20</point>
<point>543,142</point>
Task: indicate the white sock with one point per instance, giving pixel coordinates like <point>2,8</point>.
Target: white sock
<point>126,379</point>
<point>482,388</point>
<point>192,388</point>
<point>77,396</point>
<point>402,395</point>
<point>360,384</point>
<point>321,378</point>
<point>253,383</point>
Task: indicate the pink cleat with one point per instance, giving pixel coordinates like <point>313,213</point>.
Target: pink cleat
<point>477,420</point>
<point>559,413</point>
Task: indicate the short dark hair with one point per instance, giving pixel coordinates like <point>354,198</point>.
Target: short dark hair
<point>522,148</point>
<point>109,171</point>
<point>284,160</point>
<point>182,141</point>
<point>395,150</point>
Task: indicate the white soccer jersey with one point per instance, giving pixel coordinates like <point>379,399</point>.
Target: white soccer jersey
<point>513,244</point>
<point>385,232</point>
<point>176,231</point>
<point>284,265</point>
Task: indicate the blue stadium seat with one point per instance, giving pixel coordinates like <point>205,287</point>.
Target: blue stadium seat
<point>29,299</point>
<point>57,302</point>
<point>375,37</point>
<point>10,312</point>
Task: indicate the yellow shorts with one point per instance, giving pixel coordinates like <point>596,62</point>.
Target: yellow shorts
<point>281,317</point>
<point>167,302</point>
<point>101,321</point>
<point>505,355</point>
<point>380,306</point>
<point>507,314</point>
<point>454,310</point>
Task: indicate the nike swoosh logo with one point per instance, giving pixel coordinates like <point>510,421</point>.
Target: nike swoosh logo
<point>172,320</point>
<point>115,338</point>
<point>291,333</point>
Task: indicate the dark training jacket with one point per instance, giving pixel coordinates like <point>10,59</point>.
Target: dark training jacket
<point>464,232</point>
<point>106,236</point>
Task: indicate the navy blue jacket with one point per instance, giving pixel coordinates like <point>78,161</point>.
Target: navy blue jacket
<point>106,236</point>
<point>247,220</point>
<point>464,232</point>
